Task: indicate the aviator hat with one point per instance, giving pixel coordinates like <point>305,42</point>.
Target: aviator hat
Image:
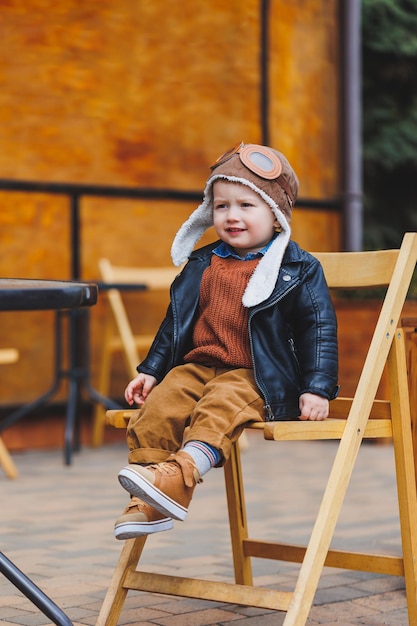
<point>267,172</point>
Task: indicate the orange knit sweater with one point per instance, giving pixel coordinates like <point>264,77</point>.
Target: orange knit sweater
<point>221,331</point>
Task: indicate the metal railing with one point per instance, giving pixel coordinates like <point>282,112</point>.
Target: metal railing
<point>76,191</point>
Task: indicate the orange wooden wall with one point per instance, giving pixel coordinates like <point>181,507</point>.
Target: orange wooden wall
<point>148,94</point>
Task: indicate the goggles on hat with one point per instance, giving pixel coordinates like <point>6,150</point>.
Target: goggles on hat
<point>260,160</point>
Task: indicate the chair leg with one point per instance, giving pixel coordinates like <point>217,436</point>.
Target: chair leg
<point>405,468</point>
<point>243,441</point>
<point>237,516</point>
<point>99,417</point>
<point>116,593</point>
<point>411,349</point>
<point>323,530</point>
<point>6,461</point>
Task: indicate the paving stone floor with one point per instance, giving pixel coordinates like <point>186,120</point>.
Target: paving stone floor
<point>57,527</point>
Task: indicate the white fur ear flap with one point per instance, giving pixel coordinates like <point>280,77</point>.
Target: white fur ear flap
<point>190,232</point>
<point>262,282</point>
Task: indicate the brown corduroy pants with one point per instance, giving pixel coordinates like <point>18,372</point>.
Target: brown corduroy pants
<point>212,403</point>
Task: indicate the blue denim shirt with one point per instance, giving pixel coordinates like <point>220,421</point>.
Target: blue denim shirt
<point>224,250</point>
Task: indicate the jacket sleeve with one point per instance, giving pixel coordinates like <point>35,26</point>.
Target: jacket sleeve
<point>174,337</point>
<point>315,334</point>
<point>156,362</point>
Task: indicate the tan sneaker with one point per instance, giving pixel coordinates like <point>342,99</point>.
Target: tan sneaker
<point>138,519</point>
<point>167,486</point>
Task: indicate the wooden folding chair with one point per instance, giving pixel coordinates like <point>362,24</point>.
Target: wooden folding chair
<point>118,334</point>
<point>350,421</point>
<point>8,355</point>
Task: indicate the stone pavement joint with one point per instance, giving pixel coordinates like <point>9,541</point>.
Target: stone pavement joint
<point>57,526</point>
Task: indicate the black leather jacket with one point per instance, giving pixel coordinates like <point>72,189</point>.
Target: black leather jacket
<point>293,334</point>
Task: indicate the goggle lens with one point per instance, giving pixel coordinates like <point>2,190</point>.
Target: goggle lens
<point>261,161</point>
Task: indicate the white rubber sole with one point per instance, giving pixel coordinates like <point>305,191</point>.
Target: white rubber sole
<point>131,530</point>
<point>137,485</point>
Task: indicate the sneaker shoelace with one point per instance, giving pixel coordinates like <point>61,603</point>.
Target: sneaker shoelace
<point>189,474</point>
<point>165,468</point>
<point>137,503</point>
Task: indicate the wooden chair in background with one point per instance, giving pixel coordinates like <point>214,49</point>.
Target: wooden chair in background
<point>7,355</point>
<point>118,333</point>
<point>351,420</point>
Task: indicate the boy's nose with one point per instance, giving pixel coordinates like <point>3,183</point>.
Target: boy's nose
<point>233,214</point>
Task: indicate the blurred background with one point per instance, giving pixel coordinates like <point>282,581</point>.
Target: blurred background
<point>111,113</point>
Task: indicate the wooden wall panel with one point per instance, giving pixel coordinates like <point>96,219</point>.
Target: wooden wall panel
<point>304,107</point>
<point>147,94</point>
<point>126,92</point>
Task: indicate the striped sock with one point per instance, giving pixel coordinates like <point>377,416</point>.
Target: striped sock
<point>205,456</point>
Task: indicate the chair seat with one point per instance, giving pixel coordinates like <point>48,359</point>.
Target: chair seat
<point>291,430</point>
<point>327,429</point>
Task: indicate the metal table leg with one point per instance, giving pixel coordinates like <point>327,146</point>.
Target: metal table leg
<point>32,592</point>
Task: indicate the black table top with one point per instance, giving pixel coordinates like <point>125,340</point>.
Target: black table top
<point>24,294</point>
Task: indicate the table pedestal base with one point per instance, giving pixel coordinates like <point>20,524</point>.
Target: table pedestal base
<point>77,374</point>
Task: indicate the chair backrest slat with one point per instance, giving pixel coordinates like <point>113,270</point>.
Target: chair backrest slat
<point>153,277</point>
<point>358,269</point>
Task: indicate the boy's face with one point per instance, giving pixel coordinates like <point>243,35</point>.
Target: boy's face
<point>241,218</point>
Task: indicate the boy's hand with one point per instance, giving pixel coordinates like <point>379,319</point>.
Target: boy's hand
<point>313,407</point>
<point>139,389</point>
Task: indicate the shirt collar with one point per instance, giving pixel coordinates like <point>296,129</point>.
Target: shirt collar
<point>223,250</point>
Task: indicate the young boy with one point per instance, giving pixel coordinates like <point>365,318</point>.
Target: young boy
<point>250,335</point>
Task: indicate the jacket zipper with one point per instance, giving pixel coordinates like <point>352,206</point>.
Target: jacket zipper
<point>267,405</point>
<point>294,354</point>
